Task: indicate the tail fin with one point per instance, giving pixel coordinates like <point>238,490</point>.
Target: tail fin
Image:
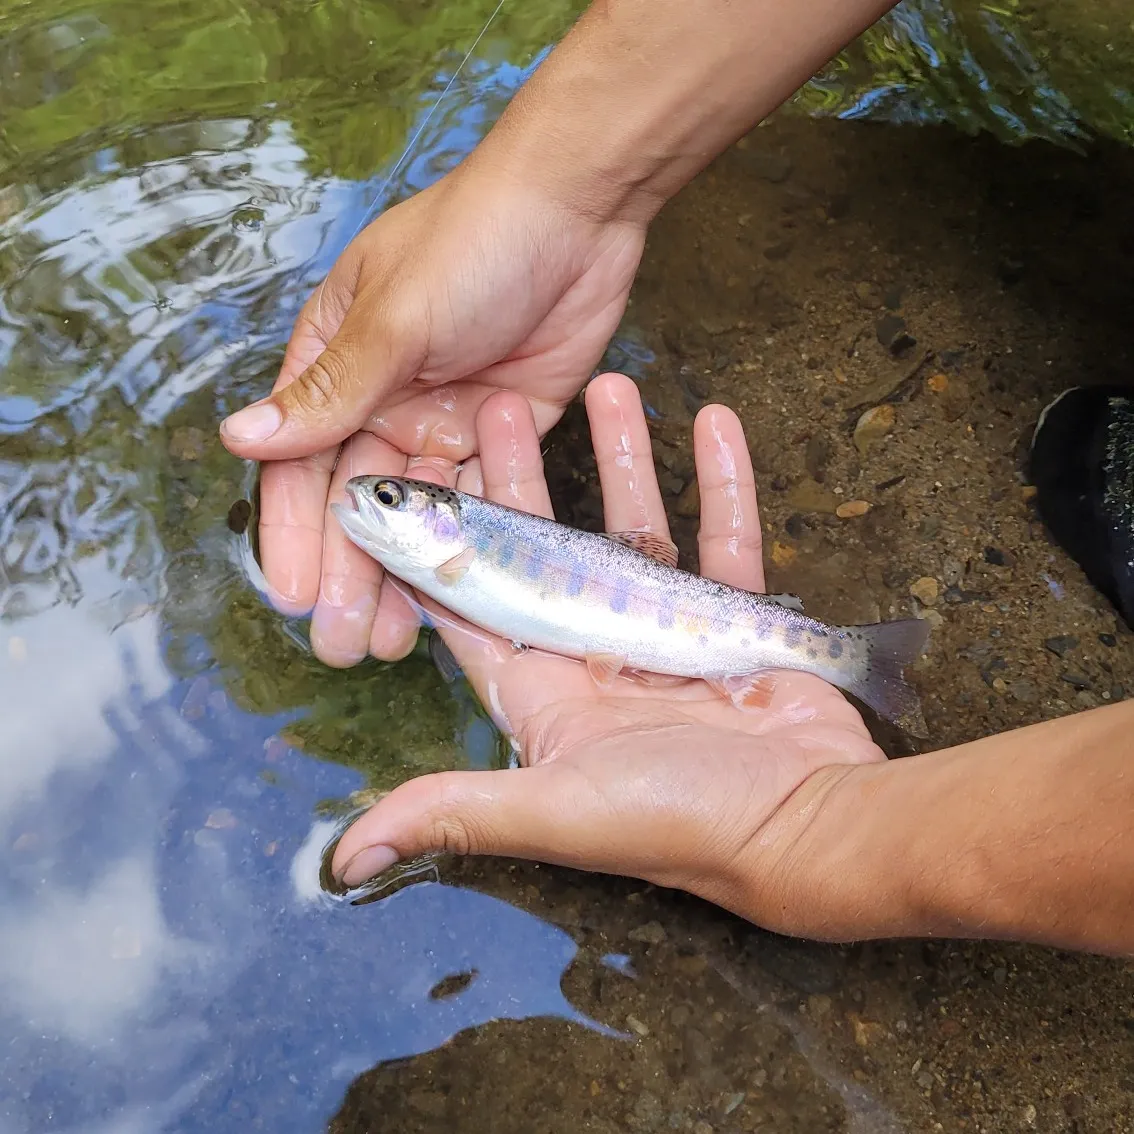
<point>888,647</point>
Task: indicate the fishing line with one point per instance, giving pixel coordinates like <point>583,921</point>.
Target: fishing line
<point>366,216</point>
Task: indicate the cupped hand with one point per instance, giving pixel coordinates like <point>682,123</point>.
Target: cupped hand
<point>665,782</point>
<point>478,284</point>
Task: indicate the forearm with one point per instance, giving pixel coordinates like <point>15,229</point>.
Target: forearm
<point>1024,836</point>
<point>642,94</point>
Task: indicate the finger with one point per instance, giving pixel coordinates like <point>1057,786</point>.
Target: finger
<point>510,458</point>
<point>318,320</point>
<point>470,479</point>
<point>293,501</point>
<point>729,542</point>
<point>293,493</point>
<point>521,813</point>
<point>343,619</point>
<point>442,421</point>
<point>376,349</point>
<point>631,498</point>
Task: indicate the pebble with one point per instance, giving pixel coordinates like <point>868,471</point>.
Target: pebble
<point>1000,685</point>
<point>637,1025</point>
<point>872,426</point>
<point>892,334</point>
<point>187,443</point>
<point>782,554</point>
<point>1076,679</point>
<point>925,590</point>
<point>689,502</point>
<point>937,383</point>
<point>933,617</point>
<point>868,294</point>
<point>652,933</point>
<point>809,496</point>
<point>816,457</point>
<point>998,558</point>
<point>1023,691</point>
<point>852,509</point>
<point>1108,640</point>
<point>952,572</point>
<point>1061,644</point>
<point>702,1127</point>
<point>866,1032</point>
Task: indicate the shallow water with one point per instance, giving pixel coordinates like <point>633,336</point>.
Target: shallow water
<point>172,760</point>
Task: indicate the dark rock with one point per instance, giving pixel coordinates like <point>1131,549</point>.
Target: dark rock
<point>795,526</point>
<point>1061,644</point>
<point>999,558</point>
<point>1076,680</point>
<point>1108,640</point>
<point>816,456</point>
<point>238,516</point>
<point>892,334</point>
<point>778,251</point>
<point>893,482</point>
<point>1023,690</point>
<point>1117,693</point>
<point>779,484</point>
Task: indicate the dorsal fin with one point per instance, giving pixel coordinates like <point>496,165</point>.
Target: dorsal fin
<point>647,543</point>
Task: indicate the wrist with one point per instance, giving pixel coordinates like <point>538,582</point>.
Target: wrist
<point>1021,836</point>
<point>642,94</point>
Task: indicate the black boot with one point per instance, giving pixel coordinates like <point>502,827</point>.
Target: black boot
<point>1082,464</point>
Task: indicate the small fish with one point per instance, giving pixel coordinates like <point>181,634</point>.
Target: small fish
<point>618,601</point>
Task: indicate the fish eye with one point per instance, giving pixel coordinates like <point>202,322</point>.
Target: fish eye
<point>388,494</point>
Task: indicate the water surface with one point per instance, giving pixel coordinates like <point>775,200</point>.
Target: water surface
<point>173,182</point>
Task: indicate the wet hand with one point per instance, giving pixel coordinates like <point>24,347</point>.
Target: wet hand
<point>666,782</point>
<point>476,285</point>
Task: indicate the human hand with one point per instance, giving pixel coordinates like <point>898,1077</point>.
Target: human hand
<point>478,284</point>
<point>670,782</point>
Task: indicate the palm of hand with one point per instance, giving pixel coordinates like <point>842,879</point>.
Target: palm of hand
<point>531,301</point>
<point>662,781</point>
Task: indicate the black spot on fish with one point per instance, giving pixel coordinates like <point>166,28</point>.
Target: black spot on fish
<point>812,654</point>
<point>835,648</point>
<point>792,636</point>
<point>702,640</point>
<point>745,642</point>
<point>665,618</point>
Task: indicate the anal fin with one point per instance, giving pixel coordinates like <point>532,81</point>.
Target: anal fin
<point>604,668</point>
<point>789,602</point>
<point>748,692</point>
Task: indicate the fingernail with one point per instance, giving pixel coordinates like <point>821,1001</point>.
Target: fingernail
<point>367,864</point>
<point>253,423</point>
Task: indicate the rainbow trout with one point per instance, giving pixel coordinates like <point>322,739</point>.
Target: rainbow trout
<point>618,601</point>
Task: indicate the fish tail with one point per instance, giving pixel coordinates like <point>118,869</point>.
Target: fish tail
<point>886,649</point>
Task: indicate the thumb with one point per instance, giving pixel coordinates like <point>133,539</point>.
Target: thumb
<point>373,353</point>
<point>548,812</point>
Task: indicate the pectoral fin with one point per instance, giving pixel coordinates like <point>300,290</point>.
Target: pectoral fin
<point>648,543</point>
<point>453,570</point>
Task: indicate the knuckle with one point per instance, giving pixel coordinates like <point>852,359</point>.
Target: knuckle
<point>317,387</point>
